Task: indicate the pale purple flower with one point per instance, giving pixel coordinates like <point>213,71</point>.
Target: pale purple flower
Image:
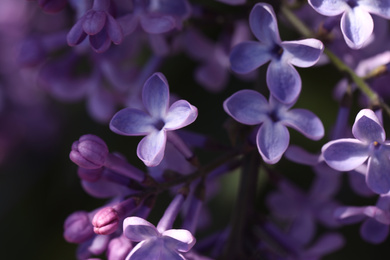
<point>99,25</point>
<point>282,78</point>
<point>375,227</point>
<point>156,16</point>
<point>303,210</point>
<point>356,22</point>
<point>251,108</point>
<point>156,245</point>
<point>347,154</point>
<point>157,119</point>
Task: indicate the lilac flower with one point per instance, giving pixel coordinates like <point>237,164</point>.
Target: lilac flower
<point>347,154</point>
<point>251,108</point>
<point>156,121</point>
<point>283,80</point>
<point>356,22</point>
<point>302,210</point>
<point>156,17</point>
<point>375,227</point>
<point>99,25</point>
<point>153,244</point>
<point>161,242</point>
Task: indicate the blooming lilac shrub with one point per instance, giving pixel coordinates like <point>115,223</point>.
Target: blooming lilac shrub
<point>187,129</point>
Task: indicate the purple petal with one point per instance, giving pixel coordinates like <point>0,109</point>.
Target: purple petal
<point>76,35</point>
<point>178,239</point>
<point>378,178</point>
<point>367,127</point>
<point>345,154</point>
<point>247,107</point>
<point>299,155</point>
<point>101,105</point>
<point>197,45</point>
<point>153,249</point>
<point>212,76</point>
<point>94,22</point>
<point>272,141</point>
<point>155,95</point>
<point>357,26</point>
<point>262,21</point>
<point>282,205</point>
<point>130,121</point>
<point>180,114</point>
<point>378,7</point>
<point>100,42</point>
<point>128,23</point>
<point>329,7</point>
<point>114,30</point>
<point>103,189</point>
<point>303,53</point>
<point>326,244</point>
<point>283,81</point>
<point>137,229</point>
<point>179,8</point>
<point>157,24</point>
<point>303,228</point>
<point>305,122</point>
<point>373,231</point>
<point>101,4</point>
<point>248,56</point>
<point>351,215</point>
<point>357,181</point>
<point>151,148</point>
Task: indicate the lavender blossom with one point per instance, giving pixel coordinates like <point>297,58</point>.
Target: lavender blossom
<point>347,154</point>
<point>156,17</point>
<point>356,21</point>
<point>375,227</point>
<point>159,242</point>
<point>99,25</point>
<point>283,80</point>
<point>156,121</point>
<point>251,108</point>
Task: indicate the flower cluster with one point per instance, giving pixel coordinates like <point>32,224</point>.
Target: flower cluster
<point>240,156</point>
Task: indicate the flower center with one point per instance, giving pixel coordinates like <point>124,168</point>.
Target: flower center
<point>352,3</point>
<point>277,51</point>
<point>274,116</point>
<point>159,124</point>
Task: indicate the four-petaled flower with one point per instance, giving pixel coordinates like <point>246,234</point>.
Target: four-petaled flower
<point>251,108</point>
<point>282,78</point>
<point>99,25</point>
<point>356,22</point>
<point>158,118</point>
<point>347,154</point>
<point>156,245</point>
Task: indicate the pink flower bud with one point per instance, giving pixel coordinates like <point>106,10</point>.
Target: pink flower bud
<point>89,152</point>
<point>105,221</point>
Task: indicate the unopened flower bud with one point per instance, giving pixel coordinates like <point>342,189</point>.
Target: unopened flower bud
<point>89,152</point>
<point>105,221</point>
<point>78,227</point>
